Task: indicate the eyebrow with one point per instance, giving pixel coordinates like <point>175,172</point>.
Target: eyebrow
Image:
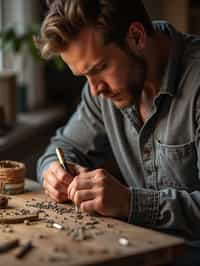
<point>91,69</point>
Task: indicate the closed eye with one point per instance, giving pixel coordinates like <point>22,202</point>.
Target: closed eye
<point>98,69</point>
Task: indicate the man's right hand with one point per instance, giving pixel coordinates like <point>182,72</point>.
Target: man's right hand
<point>56,180</point>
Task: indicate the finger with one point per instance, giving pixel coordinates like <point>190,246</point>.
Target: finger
<point>79,183</point>
<point>46,192</point>
<point>87,206</point>
<point>83,195</point>
<point>52,181</point>
<point>55,194</point>
<point>43,183</point>
<point>55,198</point>
<point>94,175</point>
<point>76,169</point>
<point>87,180</point>
<point>83,169</point>
<point>53,186</point>
<point>57,170</point>
<point>86,174</point>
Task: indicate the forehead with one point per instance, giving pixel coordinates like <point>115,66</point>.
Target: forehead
<point>86,49</point>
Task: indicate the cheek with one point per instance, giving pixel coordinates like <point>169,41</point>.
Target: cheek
<point>117,79</point>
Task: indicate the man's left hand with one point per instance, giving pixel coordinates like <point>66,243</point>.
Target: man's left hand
<point>98,191</point>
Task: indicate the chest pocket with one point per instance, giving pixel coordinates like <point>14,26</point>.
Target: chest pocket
<point>177,166</point>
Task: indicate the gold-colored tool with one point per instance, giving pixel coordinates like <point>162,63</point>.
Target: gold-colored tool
<point>61,159</point>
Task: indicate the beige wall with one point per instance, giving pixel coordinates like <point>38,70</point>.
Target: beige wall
<point>175,11</point>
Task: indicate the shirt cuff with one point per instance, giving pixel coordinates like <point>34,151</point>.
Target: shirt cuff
<point>144,206</point>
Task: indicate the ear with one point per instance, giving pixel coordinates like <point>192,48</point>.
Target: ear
<point>137,36</point>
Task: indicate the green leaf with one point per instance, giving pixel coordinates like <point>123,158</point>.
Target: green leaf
<point>59,64</point>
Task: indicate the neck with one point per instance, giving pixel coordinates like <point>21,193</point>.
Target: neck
<point>157,55</point>
<point>158,50</point>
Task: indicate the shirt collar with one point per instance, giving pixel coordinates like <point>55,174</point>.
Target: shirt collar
<point>172,72</point>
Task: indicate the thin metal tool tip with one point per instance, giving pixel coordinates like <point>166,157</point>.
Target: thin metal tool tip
<point>60,155</point>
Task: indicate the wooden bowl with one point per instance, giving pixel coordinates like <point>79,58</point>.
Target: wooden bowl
<point>12,175</point>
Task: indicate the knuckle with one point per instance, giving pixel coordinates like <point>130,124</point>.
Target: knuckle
<point>83,170</point>
<point>100,180</point>
<point>53,166</point>
<point>56,169</point>
<point>61,175</point>
<point>76,183</point>
<point>56,184</point>
<point>100,172</point>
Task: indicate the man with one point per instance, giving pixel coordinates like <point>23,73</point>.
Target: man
<point>141,103</point>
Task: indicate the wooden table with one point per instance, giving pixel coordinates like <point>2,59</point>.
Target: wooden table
<point>101,244</point>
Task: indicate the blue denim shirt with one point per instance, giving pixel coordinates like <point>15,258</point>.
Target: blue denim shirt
<point>160,159</point>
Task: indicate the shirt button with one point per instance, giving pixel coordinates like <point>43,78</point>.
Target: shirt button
<point>147,153</point>
<point>149,171</point>
<point>147,150</point>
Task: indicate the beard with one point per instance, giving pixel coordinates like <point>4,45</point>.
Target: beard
<point>136,84</point>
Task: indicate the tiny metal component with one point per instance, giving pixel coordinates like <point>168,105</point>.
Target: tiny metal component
<point>27,222</point>
<point>4,247</point>
<point>76,209</point>
<point>23,250</point>
<point>123,241</point>
<point>58,226</point>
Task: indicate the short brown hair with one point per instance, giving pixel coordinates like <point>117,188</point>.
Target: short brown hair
<point>66,18</point>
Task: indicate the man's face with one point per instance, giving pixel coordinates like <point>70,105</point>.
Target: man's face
<point>116,74</point>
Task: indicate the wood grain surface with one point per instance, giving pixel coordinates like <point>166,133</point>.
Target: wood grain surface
<point>84,240</point>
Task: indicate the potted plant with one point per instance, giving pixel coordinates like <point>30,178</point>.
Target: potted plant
<point>16,46</point>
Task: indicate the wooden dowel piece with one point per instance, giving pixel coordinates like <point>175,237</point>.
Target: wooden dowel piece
<point>4,247</point>
<point>23,250</point>
<point>19,219</point>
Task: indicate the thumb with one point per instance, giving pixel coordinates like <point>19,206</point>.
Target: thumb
<point>82,169</point>
<point>76,169</point>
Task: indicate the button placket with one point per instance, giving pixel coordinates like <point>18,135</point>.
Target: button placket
<point>148,163</point>
<point>146,153</point>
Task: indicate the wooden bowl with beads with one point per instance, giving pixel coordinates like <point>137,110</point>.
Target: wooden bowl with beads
<point>12,176</point>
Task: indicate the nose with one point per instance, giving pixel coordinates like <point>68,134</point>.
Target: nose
<point>96,87</point>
